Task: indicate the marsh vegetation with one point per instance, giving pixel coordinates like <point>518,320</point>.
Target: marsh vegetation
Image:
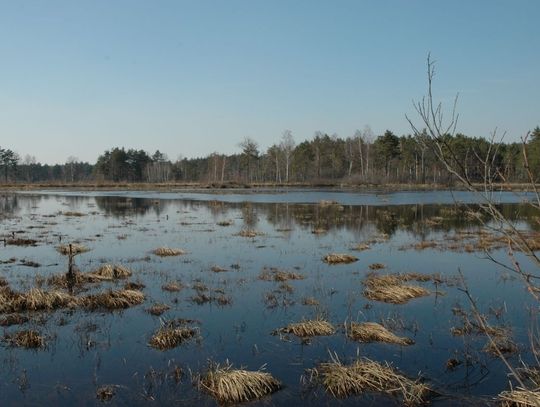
<point>207,302</point>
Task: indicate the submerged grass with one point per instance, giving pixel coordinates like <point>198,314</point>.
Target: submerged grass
<point>25,339</point>
<point>374,332</point>
<point>229,386</point>
<point>367,376</point>
<point>274,274</point>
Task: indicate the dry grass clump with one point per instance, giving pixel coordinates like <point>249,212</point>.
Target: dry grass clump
<point>112,300</point>
<point>390,288</point>
<point>319,231</point>
<point>34,300</point>
<point>110,272</point>
<point>274,274</point>
<point>172,334</point>
<point>75,249</point>
<point>367,376</point>
<point>377,266</point>
<point>374,332</point>
<point>309,328</point>
<point>425,244</point>
<point>225,223</point>
<point>230,386</point>
<point>158,309</point>
<point>167,251</point>
<point>339,258</point>
<point>172,286</point>
<point>519,398</point>
<point>218,269</point>
<point>26,339</point>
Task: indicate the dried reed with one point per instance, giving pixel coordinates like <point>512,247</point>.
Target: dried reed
<point>374,332</point>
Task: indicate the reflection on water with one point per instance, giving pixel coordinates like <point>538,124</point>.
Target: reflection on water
<point>87,349</point>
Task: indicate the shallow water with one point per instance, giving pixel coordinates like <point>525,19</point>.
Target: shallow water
<point>86,350</point>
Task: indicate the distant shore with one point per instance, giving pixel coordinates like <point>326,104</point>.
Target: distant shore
<point>195,186</point>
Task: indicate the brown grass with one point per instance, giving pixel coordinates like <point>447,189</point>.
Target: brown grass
<point>367,376</point>
<point>229,386</point>
<point>167,251</point>
<point>339,258</point>
<point>309,328</point>
<point>503,345</point>
<point>225,223</point>
<point>110,272</point>
<point>391,288</point>
<point>274,274</point>
<point>519,398</point>
<point>361,247</point>
<point>172,286</point>
<point>75,249</point>
<point>34,300</point>
<point>112,300</point>
<point>171,335</point>
<point>26,339</point>
<point>374,332</point>
<point>158,309</point>
<point>377,266</point>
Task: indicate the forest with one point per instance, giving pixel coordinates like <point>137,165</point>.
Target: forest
<point>324,159</point>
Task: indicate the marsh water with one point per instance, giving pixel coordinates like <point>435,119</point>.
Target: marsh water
<point>293,231</point>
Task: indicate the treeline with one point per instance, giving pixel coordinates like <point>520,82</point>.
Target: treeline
<point>362,158</point>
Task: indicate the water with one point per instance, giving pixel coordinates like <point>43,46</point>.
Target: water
<point>86,350</point>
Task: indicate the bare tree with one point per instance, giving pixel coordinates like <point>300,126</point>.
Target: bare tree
<point>287,146</point>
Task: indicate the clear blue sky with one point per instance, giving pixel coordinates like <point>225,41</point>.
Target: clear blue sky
<point>193,77</point>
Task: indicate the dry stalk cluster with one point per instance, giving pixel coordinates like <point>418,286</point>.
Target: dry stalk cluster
<point>374,332</point>
<point>391,288</point>
<point>231,386</point>
<point>367,376</point>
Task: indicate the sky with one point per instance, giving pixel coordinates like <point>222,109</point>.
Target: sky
<point>193,77</point>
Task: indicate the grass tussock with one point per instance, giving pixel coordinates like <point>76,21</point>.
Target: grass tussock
<point>225,223</point>
<point>158,309</point>
<point>111,272</point>
<point>391,288</point>
<point>367,376</point>
<point>309,328</point>
<point>230,386</point>
<point>361,247</point>
<point>167,251</point>
<point>35,299</point>
<point>172,286</point>
<point>111,300</point>
<point>75,249</point>
<point>374,332</point>
<point>339,258</point>
<point>26,339</point>
<point>172,334</point>
<point>274,274</point>
<point>377,266</point>
<point>105,393</point>
<point>519,398</point>
<point>310,301</point>
<point>502,345</point>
